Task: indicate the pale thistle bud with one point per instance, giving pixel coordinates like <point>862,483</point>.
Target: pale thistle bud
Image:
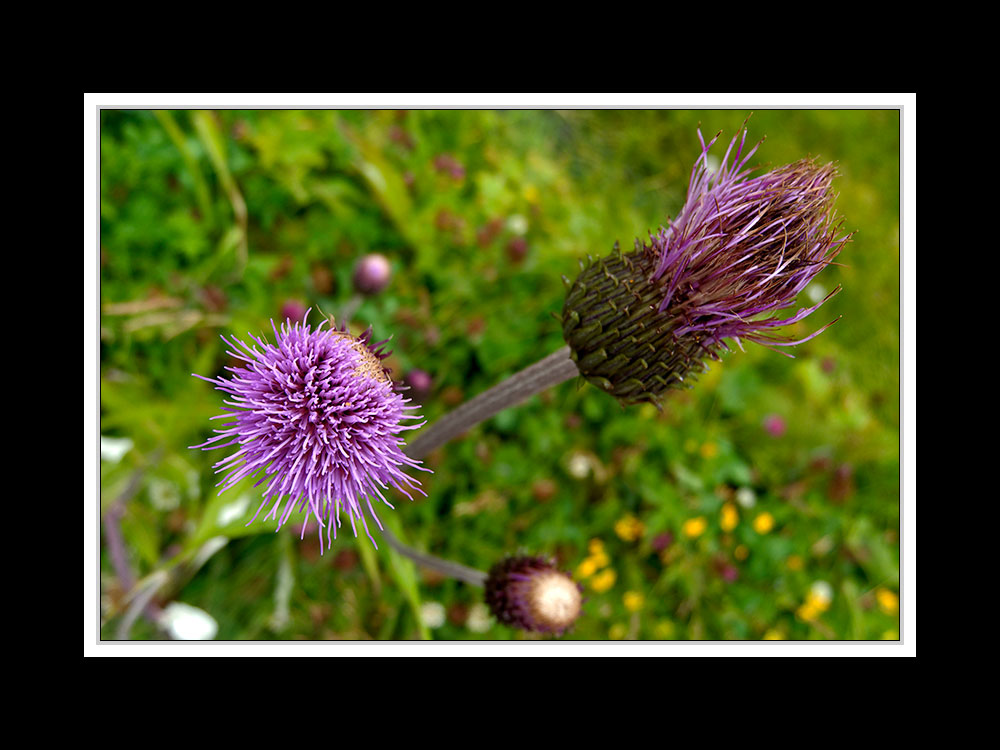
<point>530,593</point>
<point>372,273</point>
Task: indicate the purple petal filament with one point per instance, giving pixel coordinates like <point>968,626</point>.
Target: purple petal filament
<point>317,422</point>
<point>742,247</point>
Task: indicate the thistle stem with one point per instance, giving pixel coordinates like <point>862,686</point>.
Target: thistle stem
<point>554,369</point>
<point>448,568</point>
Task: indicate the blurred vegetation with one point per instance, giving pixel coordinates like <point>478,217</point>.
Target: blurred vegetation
<point>762,503</point>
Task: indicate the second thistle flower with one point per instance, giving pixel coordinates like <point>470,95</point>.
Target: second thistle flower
<point>741,249</point>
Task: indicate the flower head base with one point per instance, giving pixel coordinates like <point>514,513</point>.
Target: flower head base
<point>530,593</point>
<point>317,421</point>
<point>741,249</point>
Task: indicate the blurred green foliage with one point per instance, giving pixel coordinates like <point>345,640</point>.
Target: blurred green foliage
<point>762,503</point>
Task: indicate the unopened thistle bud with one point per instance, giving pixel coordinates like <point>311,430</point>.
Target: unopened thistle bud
<point>530,593</point>
<point>419,382</point>
<point>372,273</point>
<point>740,249</point>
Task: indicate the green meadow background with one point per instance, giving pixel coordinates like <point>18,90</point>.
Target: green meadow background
<point>763,503</point>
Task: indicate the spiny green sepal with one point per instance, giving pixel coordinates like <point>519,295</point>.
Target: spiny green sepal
<point>617,335</point>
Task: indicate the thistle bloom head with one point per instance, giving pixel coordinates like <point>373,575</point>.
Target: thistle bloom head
<point>740,250</point>
<point>530,593</point>
<point>317,422</point>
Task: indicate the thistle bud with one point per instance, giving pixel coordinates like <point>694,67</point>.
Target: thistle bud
<point>530,593</point>
<point>419,382</point>
<point>372,273</point>
<point>293,310</point>
<point>741,248</point>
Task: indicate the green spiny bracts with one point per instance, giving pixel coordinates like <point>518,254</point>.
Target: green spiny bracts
<point>620,340</point>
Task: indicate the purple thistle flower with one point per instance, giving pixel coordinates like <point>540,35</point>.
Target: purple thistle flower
<point>317,421</point>
<point>530,593</point>
<point>741,249</point>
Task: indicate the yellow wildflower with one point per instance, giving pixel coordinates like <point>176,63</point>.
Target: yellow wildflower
<point>817,601</point>
<point>729,517</point>
<point>600,559</point>
<point>763,523</point>
<point>603,580</point>
<point>821,594</point>
<point>694,527</point>
<point>888,602</point>
<point>773,635</point>
<point>808,611</point>
<point>596,560</point>
<point>709,450</point>
<point>629,528</point>
<point>633,600</point>
<point>587,568</point>
<point>890,635</point>
<point>617,631</point>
